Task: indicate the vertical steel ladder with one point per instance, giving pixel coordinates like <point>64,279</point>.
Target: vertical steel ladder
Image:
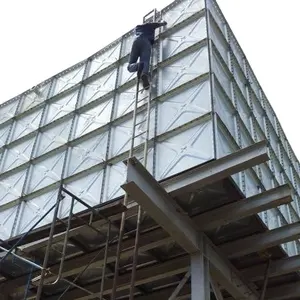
<point>145,134</point>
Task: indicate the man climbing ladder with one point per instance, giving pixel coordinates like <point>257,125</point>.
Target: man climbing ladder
<point>141,48</point>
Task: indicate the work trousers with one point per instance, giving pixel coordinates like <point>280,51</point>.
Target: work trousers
<point>141,49</point>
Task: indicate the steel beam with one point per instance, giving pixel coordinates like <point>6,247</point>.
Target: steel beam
<point>218,169</point>
<point>277,268</point>
<point>283,292</point>
<point>77,264</point>
<point>262,241</point>
<point>145,190</point>
<point>144,275</point>
<point>244,208</point>
<point>184,294</point>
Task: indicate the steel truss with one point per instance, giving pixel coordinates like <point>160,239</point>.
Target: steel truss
<point>200,271</point>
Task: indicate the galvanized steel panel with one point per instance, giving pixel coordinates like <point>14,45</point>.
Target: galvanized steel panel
<point>34,98</point>
<point>181,10</point>
<point>11,187</point>
<point>87,154</point>
<point>184,107</point>
<point>185,69</point>
<point>224,107</point>
<point>185,150</point>
<point>184,38</point>
<point>68,80</point>
<point>221,72</point>
<point>98,87</point>
<point>219,39</point>
<point>61,107</point>
<point>4,131</point>
<point>45,172</point>
<point>124,101</point>
<point>33,210</point>
<point>104,59</point>
<point>115,174</point>
<point>53,138</point>
<point>91,119</point>
<point>87,188</point>
<point>121,133</point>
<point>8,111</point>
<point>7,221</point>
<point>26,124</point>
<point>17,155</point>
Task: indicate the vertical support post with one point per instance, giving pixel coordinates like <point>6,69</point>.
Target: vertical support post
<point>47,253</point>
<point>263,292</point>
<point>200,285</point>
<point>105,261</point>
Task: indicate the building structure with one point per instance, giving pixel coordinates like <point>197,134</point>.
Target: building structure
<point>214,140</point>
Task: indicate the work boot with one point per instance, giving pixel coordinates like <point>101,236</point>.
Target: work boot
<point>145,81</point>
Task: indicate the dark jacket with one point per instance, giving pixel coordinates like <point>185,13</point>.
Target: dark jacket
<point>147,30</point>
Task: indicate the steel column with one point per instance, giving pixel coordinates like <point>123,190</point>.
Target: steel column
<point>200,287</point>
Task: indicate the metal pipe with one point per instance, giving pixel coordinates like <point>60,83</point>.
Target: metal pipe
<point>77,286</point>
<point>135,253</point>
<point>46,258</point>
<point>21,258</point>
<point>26,234</point>
<point>86,267</point>
<point>28,283</point>
<point>263,292</point>
<point>78,199</point>
<point>121,233</point>
<point>105,261</point>
<point>180,285</point>
<point>65,245</point>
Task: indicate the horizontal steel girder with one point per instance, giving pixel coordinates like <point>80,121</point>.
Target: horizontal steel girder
<point>218,169</point>
<point>283,292</point>
<point>262,241</point>
<point>144,276</point>
<point>145,190</point>
<point>244,208</point>
<point>277,268</point>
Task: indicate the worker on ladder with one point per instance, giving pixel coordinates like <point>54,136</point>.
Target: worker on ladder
<point>141,49</point>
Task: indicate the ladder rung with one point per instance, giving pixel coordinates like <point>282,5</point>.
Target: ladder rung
<point>140,100</point>
<point>130,217</point>
<point>141,122</point>
<point>140,134</point>
<point>130,232</point>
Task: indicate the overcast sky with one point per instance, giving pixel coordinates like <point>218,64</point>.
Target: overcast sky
<point>40,38</point>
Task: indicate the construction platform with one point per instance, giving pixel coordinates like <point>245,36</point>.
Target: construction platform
<point>200,238</point>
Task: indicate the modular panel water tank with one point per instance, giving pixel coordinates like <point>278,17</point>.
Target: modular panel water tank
<point>75,128</point>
